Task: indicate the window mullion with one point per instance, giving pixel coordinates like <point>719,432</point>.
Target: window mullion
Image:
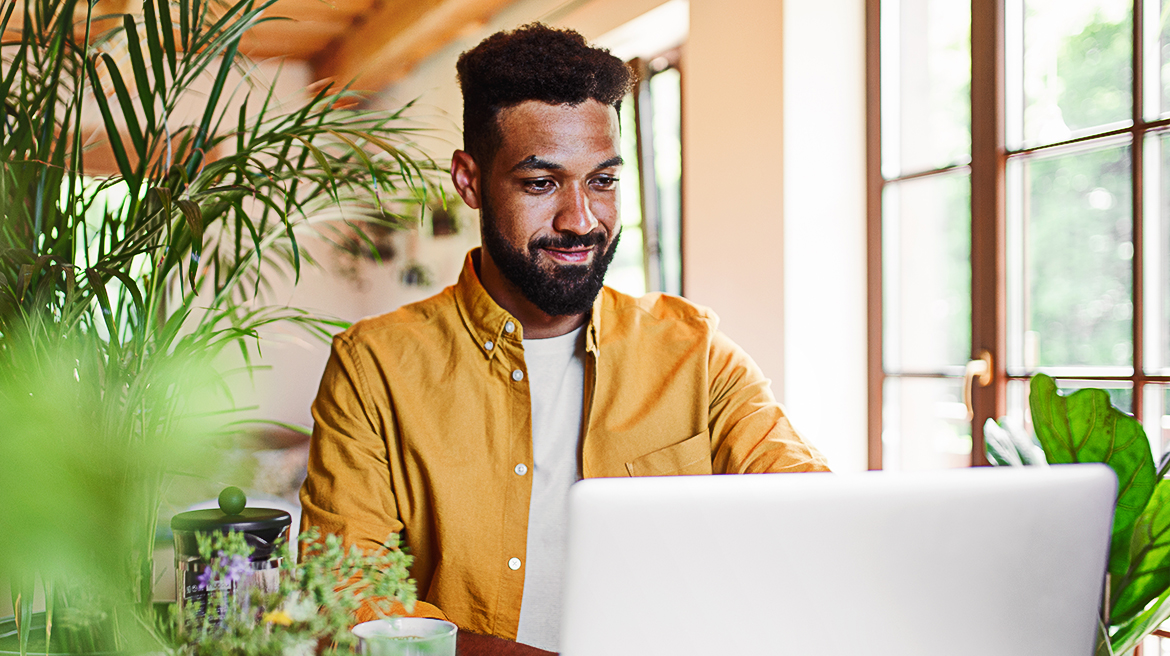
<point>873,266</point>
<point>988,212</point>
<point>1137,152</point>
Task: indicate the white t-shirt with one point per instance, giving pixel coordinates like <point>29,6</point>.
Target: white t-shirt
<point>556,381</point>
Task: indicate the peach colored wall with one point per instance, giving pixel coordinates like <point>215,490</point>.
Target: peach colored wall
<point>773,187</point>
<point>733,173</point>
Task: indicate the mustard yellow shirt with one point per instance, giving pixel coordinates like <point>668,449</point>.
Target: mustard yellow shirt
<point>423,420</point>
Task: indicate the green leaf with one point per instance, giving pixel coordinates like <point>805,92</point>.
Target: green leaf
<point>1104,647</point>
<point>127,105</point>
<point>194,217</point>
<point>112,134</point>
<point>1085,427</point>
<point>1148,575</point>
<point>1000,450</point>
<point>22,605</point>
<point>134,49</point>
<point>99,288</point>
<point>1129,635</point>
<point>131,286</point>
<point>23,280</point>
<point>203,133</point>
<point>48,587</point>
<point>168,35</point>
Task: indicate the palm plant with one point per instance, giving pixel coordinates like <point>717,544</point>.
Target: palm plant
<point>116,288</point>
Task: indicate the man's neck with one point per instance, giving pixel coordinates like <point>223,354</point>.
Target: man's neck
<point>536,322</point>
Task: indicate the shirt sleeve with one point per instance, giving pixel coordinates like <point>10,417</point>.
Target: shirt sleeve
<point>749,431</point>
<point>348,490</point>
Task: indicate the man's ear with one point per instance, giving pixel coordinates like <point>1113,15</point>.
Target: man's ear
<point>465,174</point>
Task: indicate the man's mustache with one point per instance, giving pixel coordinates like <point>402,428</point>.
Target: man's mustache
<point>569,240</point>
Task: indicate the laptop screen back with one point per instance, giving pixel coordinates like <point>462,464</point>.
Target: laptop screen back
<point>983,561</point>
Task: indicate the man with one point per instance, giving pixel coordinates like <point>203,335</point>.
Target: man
<point>461,421</point>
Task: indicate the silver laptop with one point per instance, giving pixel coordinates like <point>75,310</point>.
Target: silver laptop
<point>987,562</point>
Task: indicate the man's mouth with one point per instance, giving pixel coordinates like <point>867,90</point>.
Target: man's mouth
<point>576,255</point>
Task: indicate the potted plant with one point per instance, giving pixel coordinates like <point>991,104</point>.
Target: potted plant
<point>1085,427</point>
<point>117,291</point>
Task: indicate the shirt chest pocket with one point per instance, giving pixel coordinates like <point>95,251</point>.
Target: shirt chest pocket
<point>687,458</point>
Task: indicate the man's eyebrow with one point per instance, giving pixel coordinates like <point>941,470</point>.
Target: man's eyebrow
<point>534,163</point>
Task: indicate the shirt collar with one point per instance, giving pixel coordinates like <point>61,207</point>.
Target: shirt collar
<point>488,323</point>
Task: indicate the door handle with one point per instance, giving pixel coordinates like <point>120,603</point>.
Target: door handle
<point>978,372</point>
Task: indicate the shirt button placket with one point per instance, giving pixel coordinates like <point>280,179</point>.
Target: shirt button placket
<point>517,375</point>
<point>513,564</point>
<point>521,469</point>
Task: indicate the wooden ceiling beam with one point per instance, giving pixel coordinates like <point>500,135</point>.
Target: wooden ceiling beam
<point>293,39</point>
<point>395,37</point>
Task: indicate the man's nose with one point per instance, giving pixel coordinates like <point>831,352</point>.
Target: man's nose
<point>575,213</point>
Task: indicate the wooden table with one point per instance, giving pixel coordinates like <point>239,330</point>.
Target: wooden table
<point>473,644</point>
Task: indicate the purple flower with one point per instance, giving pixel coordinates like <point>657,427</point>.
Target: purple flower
<point>237,569</point>
<point>205,578</point>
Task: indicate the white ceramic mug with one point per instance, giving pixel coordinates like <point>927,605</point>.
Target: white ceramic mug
<point>406,636</point>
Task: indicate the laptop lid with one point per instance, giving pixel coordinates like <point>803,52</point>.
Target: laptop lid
<point>1003,561</point>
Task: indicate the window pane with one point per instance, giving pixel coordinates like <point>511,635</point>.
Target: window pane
<point>924,424</point>
<point>1157,418</point>
<point>926,252</point>
<point>627,272</point>
<point>1072,224</point>
<point>1156,301</point>
<point>1153,17</point>
<point>667,98</point>
<point>1077,67</point>
<point>1120,394</point>
<point>1019,413</point>
<point>926,85</point>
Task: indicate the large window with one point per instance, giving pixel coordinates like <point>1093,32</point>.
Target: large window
<point>1020,213</point>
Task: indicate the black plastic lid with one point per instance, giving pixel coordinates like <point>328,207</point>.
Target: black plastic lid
<point>250,520</point>
<point>260,526</point>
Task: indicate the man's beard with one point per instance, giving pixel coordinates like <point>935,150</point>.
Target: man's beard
<point>568,288</point>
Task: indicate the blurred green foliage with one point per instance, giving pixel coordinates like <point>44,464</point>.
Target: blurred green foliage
<point>118,291</point>
<point>312,607</point>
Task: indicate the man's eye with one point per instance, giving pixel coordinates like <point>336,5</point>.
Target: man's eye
<point>537,186</point>
<point>605,182</point>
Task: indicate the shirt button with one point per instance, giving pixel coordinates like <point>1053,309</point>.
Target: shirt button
<point>521,469</point>
<point>517,375</point>
<point>514,564</point>
<point>489,345</point>
<point>509,327</point>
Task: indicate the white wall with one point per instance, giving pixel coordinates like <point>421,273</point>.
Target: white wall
<point>824,225</point>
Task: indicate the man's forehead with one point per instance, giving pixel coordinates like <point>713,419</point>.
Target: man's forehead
<point>539,135</point>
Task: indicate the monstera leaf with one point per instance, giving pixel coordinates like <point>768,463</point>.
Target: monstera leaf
<point>1085,427</point>
<point>1147,576</point>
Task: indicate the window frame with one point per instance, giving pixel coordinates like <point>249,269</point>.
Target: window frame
<point>649,192</point>
<point>988,175</point>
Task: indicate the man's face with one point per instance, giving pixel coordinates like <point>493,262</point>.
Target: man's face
<point>550,202</point>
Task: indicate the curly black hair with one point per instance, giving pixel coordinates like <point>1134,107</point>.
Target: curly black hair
<point>533,62</point>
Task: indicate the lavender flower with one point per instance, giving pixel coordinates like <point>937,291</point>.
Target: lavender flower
<point>205,578</point>
<point>237,568</point>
